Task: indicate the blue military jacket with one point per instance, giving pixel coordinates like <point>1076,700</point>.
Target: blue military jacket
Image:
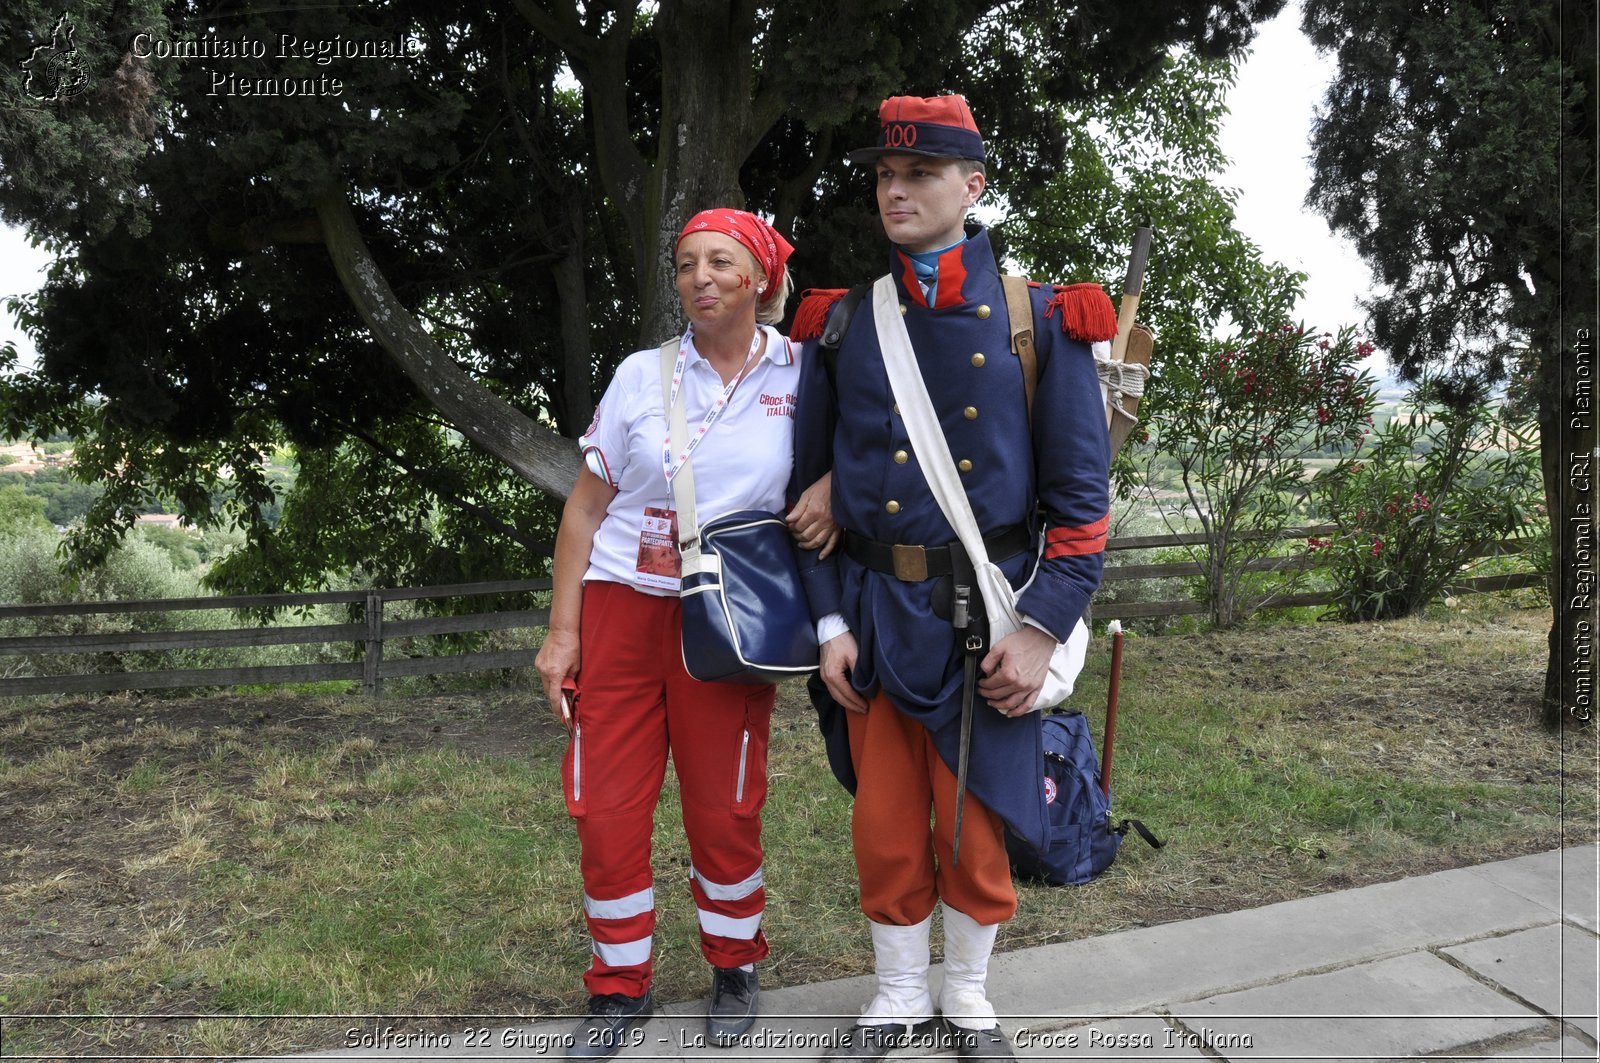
<point>1011,473</point>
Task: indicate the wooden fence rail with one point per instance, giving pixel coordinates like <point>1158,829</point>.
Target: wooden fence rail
<point>1118,609</point>
<point>373,630</point>
<point>370,633</point>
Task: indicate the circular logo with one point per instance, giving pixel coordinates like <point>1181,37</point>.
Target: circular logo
<point>1049,790</point>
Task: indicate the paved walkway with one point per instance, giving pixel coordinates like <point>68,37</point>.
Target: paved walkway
<point>1491,962</point>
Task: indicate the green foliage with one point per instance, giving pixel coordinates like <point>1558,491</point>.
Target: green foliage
<point>65,499</point>
<point>1250,413</point>
<point>82,158</point>
<point>28,570</point>
<point>1457,148</point>
<point>1448,142</point>
<point>30,573</point>
<point>1148,157</point>
<point>1427,496</point>
<point>20,510</point>
<point>193,324</point>
<point>139,569</point>
<point>184,550</point>
<point>452,516</point>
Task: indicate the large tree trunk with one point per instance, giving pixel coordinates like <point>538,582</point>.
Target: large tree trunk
<point>533,452</point>
<point>706,79</point>
<point>577,354</point>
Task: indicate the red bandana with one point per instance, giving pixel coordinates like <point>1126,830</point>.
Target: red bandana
<point>770,249</point>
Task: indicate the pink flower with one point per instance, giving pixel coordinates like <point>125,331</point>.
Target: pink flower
<point>1377,547</point>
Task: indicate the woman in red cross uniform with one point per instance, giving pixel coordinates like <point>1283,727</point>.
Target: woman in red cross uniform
<point>615,632</point>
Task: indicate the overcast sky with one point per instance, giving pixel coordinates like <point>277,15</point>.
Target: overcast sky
<point>1266,137</point>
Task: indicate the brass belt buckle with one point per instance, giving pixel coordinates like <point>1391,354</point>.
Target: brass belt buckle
<point>910,563</point>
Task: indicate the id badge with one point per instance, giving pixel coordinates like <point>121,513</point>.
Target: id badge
<point>660,563</point>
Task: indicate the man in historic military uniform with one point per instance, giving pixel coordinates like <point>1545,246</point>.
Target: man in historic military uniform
<point>892,662</point>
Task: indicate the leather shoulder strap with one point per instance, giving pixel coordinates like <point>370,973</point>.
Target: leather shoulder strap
<point>1020,309</point>
<point>837,324</point>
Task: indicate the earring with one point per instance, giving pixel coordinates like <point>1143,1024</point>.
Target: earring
<point>761,289</point>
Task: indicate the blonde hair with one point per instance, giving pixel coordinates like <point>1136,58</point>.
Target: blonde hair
<point>769,310</point>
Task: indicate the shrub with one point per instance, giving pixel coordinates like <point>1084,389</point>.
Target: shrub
<point>1432,492</point>
<point>1240,422</point>
<point>31,573</point>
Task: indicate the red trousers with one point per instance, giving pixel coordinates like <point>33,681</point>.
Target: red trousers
<point>903,827</point>
<point>636,704</point>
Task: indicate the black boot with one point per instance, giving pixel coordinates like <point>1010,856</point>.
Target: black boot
<point>608,1025</point>
<point>732,1010</point>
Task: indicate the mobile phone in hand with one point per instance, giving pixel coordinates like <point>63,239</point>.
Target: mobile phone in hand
<point>569,700</point>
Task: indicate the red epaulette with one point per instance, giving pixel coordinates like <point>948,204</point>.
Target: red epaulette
<point>812,313</point>
<point>1086,311</point>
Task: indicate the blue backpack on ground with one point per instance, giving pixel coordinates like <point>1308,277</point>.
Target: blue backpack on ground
<point>1084,838</point>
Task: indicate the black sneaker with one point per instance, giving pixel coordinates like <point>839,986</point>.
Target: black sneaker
<point>869,1044</point>
<point>978,1044</point>
<point>605,1029</point>
<point>732,1010</point>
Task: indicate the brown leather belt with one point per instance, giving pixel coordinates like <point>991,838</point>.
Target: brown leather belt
<point>913,564</point>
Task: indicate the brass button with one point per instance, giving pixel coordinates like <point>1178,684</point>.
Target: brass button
<point>983,312</point>
<point>892,507</point>
<point>977,360</point>
<point>903,308</point>
<point>971,413</point>
<point>964,465</point>
<point>901,457</point>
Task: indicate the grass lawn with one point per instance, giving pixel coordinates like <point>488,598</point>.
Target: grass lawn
<point>287,854</point>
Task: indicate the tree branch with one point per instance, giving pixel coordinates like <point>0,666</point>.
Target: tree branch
<point>533,452</point>
<point>566,33</point>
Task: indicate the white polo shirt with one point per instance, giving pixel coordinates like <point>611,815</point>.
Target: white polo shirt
<point>743,462</point>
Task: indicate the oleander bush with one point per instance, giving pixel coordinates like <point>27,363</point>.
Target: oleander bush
<point>1424,500</point>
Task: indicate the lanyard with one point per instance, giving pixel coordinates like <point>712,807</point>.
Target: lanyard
<point>668,466</point>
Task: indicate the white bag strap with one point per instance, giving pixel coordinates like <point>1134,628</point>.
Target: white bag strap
<point>677,432</point>
<point>933,455</point>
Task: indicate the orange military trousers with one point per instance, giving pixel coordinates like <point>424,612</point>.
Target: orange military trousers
<point>903,827</point>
